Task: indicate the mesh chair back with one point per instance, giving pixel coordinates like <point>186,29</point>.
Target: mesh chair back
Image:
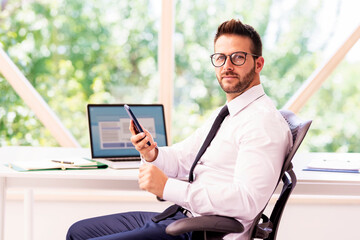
<point>267,229</point>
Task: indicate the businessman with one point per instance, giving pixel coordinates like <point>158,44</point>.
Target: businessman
<point>231,163</point>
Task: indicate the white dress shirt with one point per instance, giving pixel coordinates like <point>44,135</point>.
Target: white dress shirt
<point>238,172</point>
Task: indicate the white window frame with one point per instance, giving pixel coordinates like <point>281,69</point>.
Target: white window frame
<point>166,67</point>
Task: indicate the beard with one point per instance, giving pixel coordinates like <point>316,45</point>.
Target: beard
<point>242,84</point>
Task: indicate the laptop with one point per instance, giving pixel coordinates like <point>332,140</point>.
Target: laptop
<point>110,135</point>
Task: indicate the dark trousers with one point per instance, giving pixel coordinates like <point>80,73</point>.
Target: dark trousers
<point>130,225</point>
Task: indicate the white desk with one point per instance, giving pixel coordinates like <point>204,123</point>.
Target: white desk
<point>309,183</point>
<point>325,183</point>
<point>103,179</point>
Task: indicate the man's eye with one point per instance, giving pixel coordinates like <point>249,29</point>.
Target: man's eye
<point>220,58</point>
<point>238,57</point>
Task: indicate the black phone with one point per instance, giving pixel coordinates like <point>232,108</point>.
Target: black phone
<point>138,128</point>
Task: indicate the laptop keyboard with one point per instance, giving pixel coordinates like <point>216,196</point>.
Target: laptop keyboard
<point>123,159</point>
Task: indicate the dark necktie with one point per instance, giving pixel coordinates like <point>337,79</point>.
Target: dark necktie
<point>215,127</point>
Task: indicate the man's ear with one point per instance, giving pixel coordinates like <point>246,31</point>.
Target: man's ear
<point>259,64</point>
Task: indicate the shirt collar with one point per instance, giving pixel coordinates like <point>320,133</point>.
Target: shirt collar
<point>241,101</point>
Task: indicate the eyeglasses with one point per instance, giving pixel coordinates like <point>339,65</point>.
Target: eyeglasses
<point>237,58</point>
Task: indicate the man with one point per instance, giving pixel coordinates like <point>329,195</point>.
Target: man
<point>238,171</point>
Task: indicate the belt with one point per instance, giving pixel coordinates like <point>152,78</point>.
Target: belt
<point>186,212</point>
<point>170,212</point>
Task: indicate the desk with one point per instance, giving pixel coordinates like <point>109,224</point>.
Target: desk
<point>325,183</point>
<point>309,183</point>
<point>103,179</point>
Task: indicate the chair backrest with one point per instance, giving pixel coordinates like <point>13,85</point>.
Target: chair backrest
<point>298,128</point>
<point>267,229</point>
<point>216,227</point>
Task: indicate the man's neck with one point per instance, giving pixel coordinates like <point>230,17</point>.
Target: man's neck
<point>232,96</point>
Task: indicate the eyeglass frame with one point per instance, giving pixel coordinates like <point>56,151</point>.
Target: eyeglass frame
<point>246,53</point>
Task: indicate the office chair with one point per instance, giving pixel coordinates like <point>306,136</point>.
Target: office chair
<point>212,227</point>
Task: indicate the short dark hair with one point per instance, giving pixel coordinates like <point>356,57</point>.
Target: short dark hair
<point>238,28</point>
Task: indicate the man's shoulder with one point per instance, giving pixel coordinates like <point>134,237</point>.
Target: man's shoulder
<point>262,112</point>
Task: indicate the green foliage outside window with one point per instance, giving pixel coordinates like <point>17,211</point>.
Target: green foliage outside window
<point>78,52</point>
<point>288,60</point>
<point>73,53</point>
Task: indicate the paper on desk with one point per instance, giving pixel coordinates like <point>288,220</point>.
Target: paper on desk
<point>335,164</point>
<point>75,161</point>
<point>49,164</point>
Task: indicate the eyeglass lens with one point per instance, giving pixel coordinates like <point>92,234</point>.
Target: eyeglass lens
<point>237,58</point>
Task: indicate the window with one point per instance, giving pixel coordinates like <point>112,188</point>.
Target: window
<point>76,52</point>
<point>298,36</point>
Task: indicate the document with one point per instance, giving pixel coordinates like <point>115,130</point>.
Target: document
<point>55,164</point>
<point>334,165</point>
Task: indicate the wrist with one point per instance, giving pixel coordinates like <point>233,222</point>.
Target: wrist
<point>152,156</point>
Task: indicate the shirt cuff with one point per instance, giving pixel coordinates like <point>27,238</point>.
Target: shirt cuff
<point>156,161</point>
<point>175,191</point>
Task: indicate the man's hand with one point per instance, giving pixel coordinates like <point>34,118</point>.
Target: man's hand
<point>149,153</point>
<point>152,179</point>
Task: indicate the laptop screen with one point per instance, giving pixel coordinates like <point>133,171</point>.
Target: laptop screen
<point>109,128</point>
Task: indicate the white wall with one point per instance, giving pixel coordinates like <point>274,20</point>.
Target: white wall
<point>55,212</point>
<point>324,219</point>
<point>304,218</point>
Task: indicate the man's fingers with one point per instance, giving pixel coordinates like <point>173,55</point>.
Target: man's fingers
<point>152,179</point>
<point>141,143</point>
<point>132,127</point>
<point>137,138</point>
<point>141,140</point>
<point>144,176</point>
<point>142,170</point>
<point>145,171</point>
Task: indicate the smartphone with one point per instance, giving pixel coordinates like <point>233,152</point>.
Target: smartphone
<point>138,128</point>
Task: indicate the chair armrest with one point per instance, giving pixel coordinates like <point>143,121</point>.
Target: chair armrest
<point>211,223</point>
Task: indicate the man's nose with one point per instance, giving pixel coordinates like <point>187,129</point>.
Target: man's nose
<point>228,64</point>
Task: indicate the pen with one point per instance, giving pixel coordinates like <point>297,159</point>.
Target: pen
<point>62,162</point>
<point>332,170</point>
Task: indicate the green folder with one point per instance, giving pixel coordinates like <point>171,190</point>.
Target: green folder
<point>50,165</point>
